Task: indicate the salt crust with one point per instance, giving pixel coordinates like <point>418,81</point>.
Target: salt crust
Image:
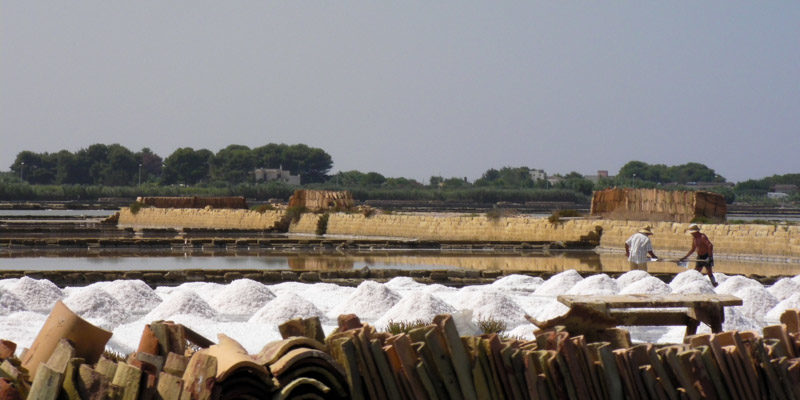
<point>285,307</point>
<point>184,305</point>
<point>647,285</point>
<point>702,286</point>
<point>36,294</point>
<point>756,302</point>
<point>241,297</point>
<point>424,307</point>
<point>492,304</point>
<point>96,304</point>
<point>784,288</point>
<point>9,303</point>
<point>181,302</point>
<point>774,315</point>
<point>630,277</point>
<point>519,283</point>
<point>134,295</point>
<point>599,285</point>
<point>735,284</point>
<point>559,283</point>
<point>369,301</point>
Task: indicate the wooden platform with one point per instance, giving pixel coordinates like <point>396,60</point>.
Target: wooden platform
<point>593,313</point>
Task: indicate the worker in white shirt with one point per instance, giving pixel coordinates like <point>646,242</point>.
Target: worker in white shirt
<point>639,249</point>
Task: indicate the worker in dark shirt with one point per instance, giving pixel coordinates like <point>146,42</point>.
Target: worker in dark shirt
<point>705,252</point>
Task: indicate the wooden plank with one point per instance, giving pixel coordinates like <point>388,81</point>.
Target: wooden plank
<point>780,333</point>
<point>442,362</point>
<point>650,301</point>
<point>609,371</point>
<point>456,351</point>
<point>387,376</point>
<point>693,364</point>
<point>713,370</point>
<point>715,344</point>
<point>401,349</point>
<point>773,384</point>
<point>749,365</point>
<point>106,367</point>
<point>343,350</point>
<point>681,374</point>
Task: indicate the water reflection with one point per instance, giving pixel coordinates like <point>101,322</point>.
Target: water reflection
<point>172,259</point>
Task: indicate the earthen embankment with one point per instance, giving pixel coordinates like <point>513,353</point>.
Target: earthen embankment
<point>740,240</point>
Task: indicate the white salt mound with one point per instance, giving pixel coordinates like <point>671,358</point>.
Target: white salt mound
<point>684,278</point>
<point>559,283</point>
<point>403,283</point>
<point>490,304</point>
<point>694,287</point>
<point>37,294</point>
<point>181,302</point>
<point>599,284</point>
<point>735,319</point>
<point>519,283</point>
<point>10,303</point>
<point>369,301</point>
<point>285,307</point>
<point>545,308</point>
<point>95,303</point>
<point>241,297</point>
<point>784,288</point>
<point>135,295</point>
<point>422,306</point>
<point>648,285</point>
<point>630,277</point>
<point>737,283</point>
<point>756,302</point>
<point>774,315</point>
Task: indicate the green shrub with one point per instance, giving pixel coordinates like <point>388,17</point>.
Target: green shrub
<point>294,213</point>
<point>322,224</point>
<point>136,206</point>
<point>397,327</point>
<point>491,325</point>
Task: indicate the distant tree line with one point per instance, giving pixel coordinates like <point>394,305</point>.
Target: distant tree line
<point>115,171</point>
<point>115,165</point>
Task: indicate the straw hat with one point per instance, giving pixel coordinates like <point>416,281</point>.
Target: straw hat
<point>646,230</point>
<point>693,228</point>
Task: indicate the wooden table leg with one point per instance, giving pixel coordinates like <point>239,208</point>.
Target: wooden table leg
<point>710,313</point>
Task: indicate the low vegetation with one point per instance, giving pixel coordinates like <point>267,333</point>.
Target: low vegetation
<point>397,327</point>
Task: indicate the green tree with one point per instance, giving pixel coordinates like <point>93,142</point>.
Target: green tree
<point>151,164</point>
<point>233,164</point>
<point>187,166</point>
<point>312,164</point>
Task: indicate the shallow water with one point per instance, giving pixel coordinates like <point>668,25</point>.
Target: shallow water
<point>177,259</point>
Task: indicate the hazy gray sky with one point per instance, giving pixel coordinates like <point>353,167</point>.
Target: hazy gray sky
<point>412,88</point>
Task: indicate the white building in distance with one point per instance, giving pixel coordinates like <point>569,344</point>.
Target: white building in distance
<point>280,175</point>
